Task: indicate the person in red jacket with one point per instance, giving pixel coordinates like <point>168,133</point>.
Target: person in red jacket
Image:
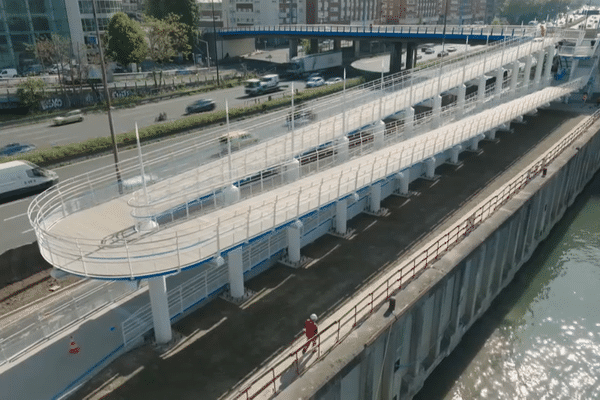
<point>311,331</point>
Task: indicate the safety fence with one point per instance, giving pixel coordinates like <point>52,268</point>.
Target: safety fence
<point>18,337</point>
<point>291,364</point>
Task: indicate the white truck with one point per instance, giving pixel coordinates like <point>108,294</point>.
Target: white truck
<point>266,84</point>
<point>303,66</point>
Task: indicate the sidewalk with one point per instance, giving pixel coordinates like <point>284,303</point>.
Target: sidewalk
<point>222,343</point>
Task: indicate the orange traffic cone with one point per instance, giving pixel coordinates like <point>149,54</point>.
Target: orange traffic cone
<point>74,349</point>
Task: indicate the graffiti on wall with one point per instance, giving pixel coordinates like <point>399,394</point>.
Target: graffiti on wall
<point>52,103</point>
<point>120,94</point>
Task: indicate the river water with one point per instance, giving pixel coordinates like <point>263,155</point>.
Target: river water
<point>540,339</point>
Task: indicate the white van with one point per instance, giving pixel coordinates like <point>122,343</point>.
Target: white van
<point>238,140</point>
<point>21,178</point>
<point>8,73</point>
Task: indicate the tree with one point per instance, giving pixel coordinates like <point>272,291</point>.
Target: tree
<point>55,49</point>
<point>166,38</point>
<point>126,40</point>
<point>31,92</point>
<point>187,10</point>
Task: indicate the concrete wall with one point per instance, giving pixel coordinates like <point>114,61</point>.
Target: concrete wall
<point>236,47</point>
<point>390,356</point>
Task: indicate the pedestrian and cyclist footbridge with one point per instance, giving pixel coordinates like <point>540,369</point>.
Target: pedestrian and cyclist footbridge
<point>230,213</point>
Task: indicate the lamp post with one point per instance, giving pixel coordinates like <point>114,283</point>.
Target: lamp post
<point>107,96</point>
<point>207,52</point>
<point>212,3</point>
<point>445,19</point>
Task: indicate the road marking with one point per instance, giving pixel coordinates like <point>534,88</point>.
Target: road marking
<point>14,216</point>
<point>28,230</point>
<point>370,225</point>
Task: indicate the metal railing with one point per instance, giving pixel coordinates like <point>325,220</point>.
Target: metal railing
<point>291,365</point>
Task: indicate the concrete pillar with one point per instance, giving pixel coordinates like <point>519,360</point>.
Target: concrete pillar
<point>403,181</point>
<point>430,167</point>
<point>314,46</point>
<point>574,65</point>
<point>491,134</point>
<point>356,46</point>
<point>378,133</point>
<point>292,171</point>
<point>341,216</point>
<point>499,83</point>
<point>231,194</point>
<point>538,69</point>
<point>337,44</point>
<point>454,153</point>
<point>514,78</point>
<point>293,237</point>
<point>410,55</point>
<point>293,48</point>
<point>235,268</point>
<point>527,74</point>
<point>157,288</point>
<point>547,74</point>
<point>460,99</point>
<point>474,145</point>
<point>342,149</point>
<point>375,197</point>
<point>396,58</point>
<point>409,122</point>
<point>437,111</point>
<point>481,90</point>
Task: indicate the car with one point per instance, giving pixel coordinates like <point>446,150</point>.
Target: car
<point>443,53</point>
<point>8,73</point>
<point>33,70</point>
<point>451,49</point>
<point>70,117</point>
<point>15,148</point>
<point>333,81</point>
<point>313,75</point>
<point>200,106</point>
<point>429,50</point>
<point>315,82</point>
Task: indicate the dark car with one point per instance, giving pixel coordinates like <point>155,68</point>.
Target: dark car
<point>200,105</point>
<point>15,148</point>
<point>442,54</point>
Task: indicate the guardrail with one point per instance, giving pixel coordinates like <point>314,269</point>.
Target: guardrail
<point>335,333</point>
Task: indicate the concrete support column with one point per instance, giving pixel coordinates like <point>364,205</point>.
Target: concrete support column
<point>454,153</point>
<point>547,74</point>
<point>378,133</point>
<point>231,194</point>
<point>293,48</point>
<point>430,168</point>
<point>396,58</point>
<point>410,55</point>
<point>337,44</point>
<point>460,99</point>
<point>356,46</point>
<point>235,267</point>
<point>474,145</point>
<point>574,66</point>
<point>409,121</point>
<point>403,181</point>
<point>527,74</point>
<point>293,237</point>
<point>514,78</point>
<point>436,111</point>
<point>157,288</point>
<point>538,69</point>
<point>314,46</point>
<point>343,149</point>
<point>292,171</point>
<point>499,83</point>
<point>491,134</point>
<point>481,90</point>
<point>341,217</point>
<point>375,198</point>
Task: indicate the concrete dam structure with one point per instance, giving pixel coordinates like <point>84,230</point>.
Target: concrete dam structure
<point>392,353</point>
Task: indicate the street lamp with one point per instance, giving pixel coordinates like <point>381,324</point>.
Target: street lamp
<point>212,3</point>
<point>107,96</point>
<point>207,52</point>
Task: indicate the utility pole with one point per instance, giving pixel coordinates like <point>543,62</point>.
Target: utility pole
<point>212,3</point>
<point>107,96</point>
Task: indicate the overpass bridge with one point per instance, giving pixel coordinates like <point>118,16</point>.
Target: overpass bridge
<point>409,36</point>
<point>233,218</point>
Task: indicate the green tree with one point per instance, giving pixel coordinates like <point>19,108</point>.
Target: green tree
<point>187,10</point>
<point>126,40</point>
<point>31,92</point>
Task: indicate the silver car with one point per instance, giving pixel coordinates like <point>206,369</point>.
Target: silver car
<point>70,117</point>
